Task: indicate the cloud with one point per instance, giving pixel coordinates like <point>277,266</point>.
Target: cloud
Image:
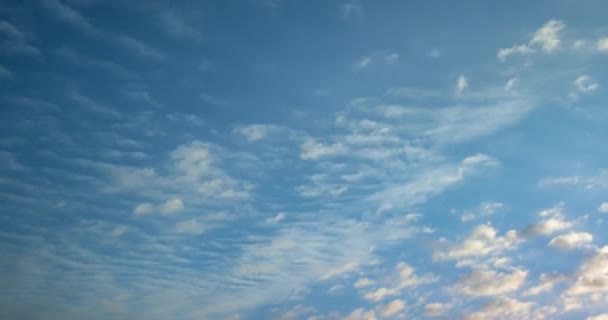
<point>406,278</point>
<point>138,47</point>
<point>276,219</point>
<point>547,36</point>
<point>168,207</point>
<point>363,282</point>
<point>547,283</point>
<point>363,63</point>
<point>599,317</point>
<point>571,240</point>
<point>313,150</point>
<point>255,132</point>
<point>503,308</point>
<point>391,57</point>
<point>393,308</point>
<point>602,45</point>
<point>175,26</point>
<point>522,49</point>
<point>511,84</point>
<point>553,222</point>
<point>436,309</point>
<point>15,42</point>
<point>482,241</point>
<point>591,276</point>
<point>483,210</point>
<point>603,208</point>
<point>69,15</point>
<point>361,314</point>
<point>189,227</point>
<point>583,84</point>
<point>461,84</point>
<point>351,10</point>
<point>491,283</point>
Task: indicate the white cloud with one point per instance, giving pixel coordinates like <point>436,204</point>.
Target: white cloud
<point>171,206</point>
<point>363,282</point>
<point>391,57</point>
<point>599,317</point>
<point>189,227</point>
<point>491,283</point>
<point>483,210</point>
<point>436,309</point>
<point>351,10</point>
<point>547,226</point>
<point>339,270</point>
<point>406,279</point>
<point>363,63</point>
<point>461,84</point>
<point>510,85</point>
<point>276,219</point>
<point>6,73</point>
<point>504,53</point>
<point>393,308</point>
<point>603,208</point>
<point>503,308</point>
<point>548,36</point>
<point>144,208</point>
<point>584,84</point>
<point>602,44</point>
<point>255,132</point>
<point>482,241</point>
<point>168,207</point>
<point>560,181</point>
<point>361,314</point>
<point>313,150</point>
<point>547,282</point>
<point>591,276</point>
<point>571,240</point>
<point>435,54</point>
<point>69,15</point>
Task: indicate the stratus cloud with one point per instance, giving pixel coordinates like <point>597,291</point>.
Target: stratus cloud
<point>491,283</point>
<point>503,308</point>
<point>546,38</point>
<point>584,84</point>
<point>571,240</point>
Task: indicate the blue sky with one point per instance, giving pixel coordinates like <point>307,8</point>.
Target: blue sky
<point>283,159</point>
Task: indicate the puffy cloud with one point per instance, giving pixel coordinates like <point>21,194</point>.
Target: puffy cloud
<point>571,240</point>
<point>461,84</point>
<point>363,63</point>
<point>511,84</point>
<point>602,44</point>
<point>547,282</point>
<point>189,227</point>
<point>482,241</point>
<point>603,208</point>
<point>296,312</point>
<point>591,276</point>
<point>406,278</point>
<point>548,36</point>
<point>380,294</point>
<point>583,84</point>
<point>599,317</point>
<point>171,206</point>
<point>503,308</point>
<point>361,314</point>
<point>491,283</point>
<point>363,282</point>
<point>553,222</point>
<point>393,308</point>
<point>436,309</point>
<point>144,208</point>
<point>313,150</point>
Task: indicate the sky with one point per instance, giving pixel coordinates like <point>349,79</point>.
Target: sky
<point>314,160</point>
